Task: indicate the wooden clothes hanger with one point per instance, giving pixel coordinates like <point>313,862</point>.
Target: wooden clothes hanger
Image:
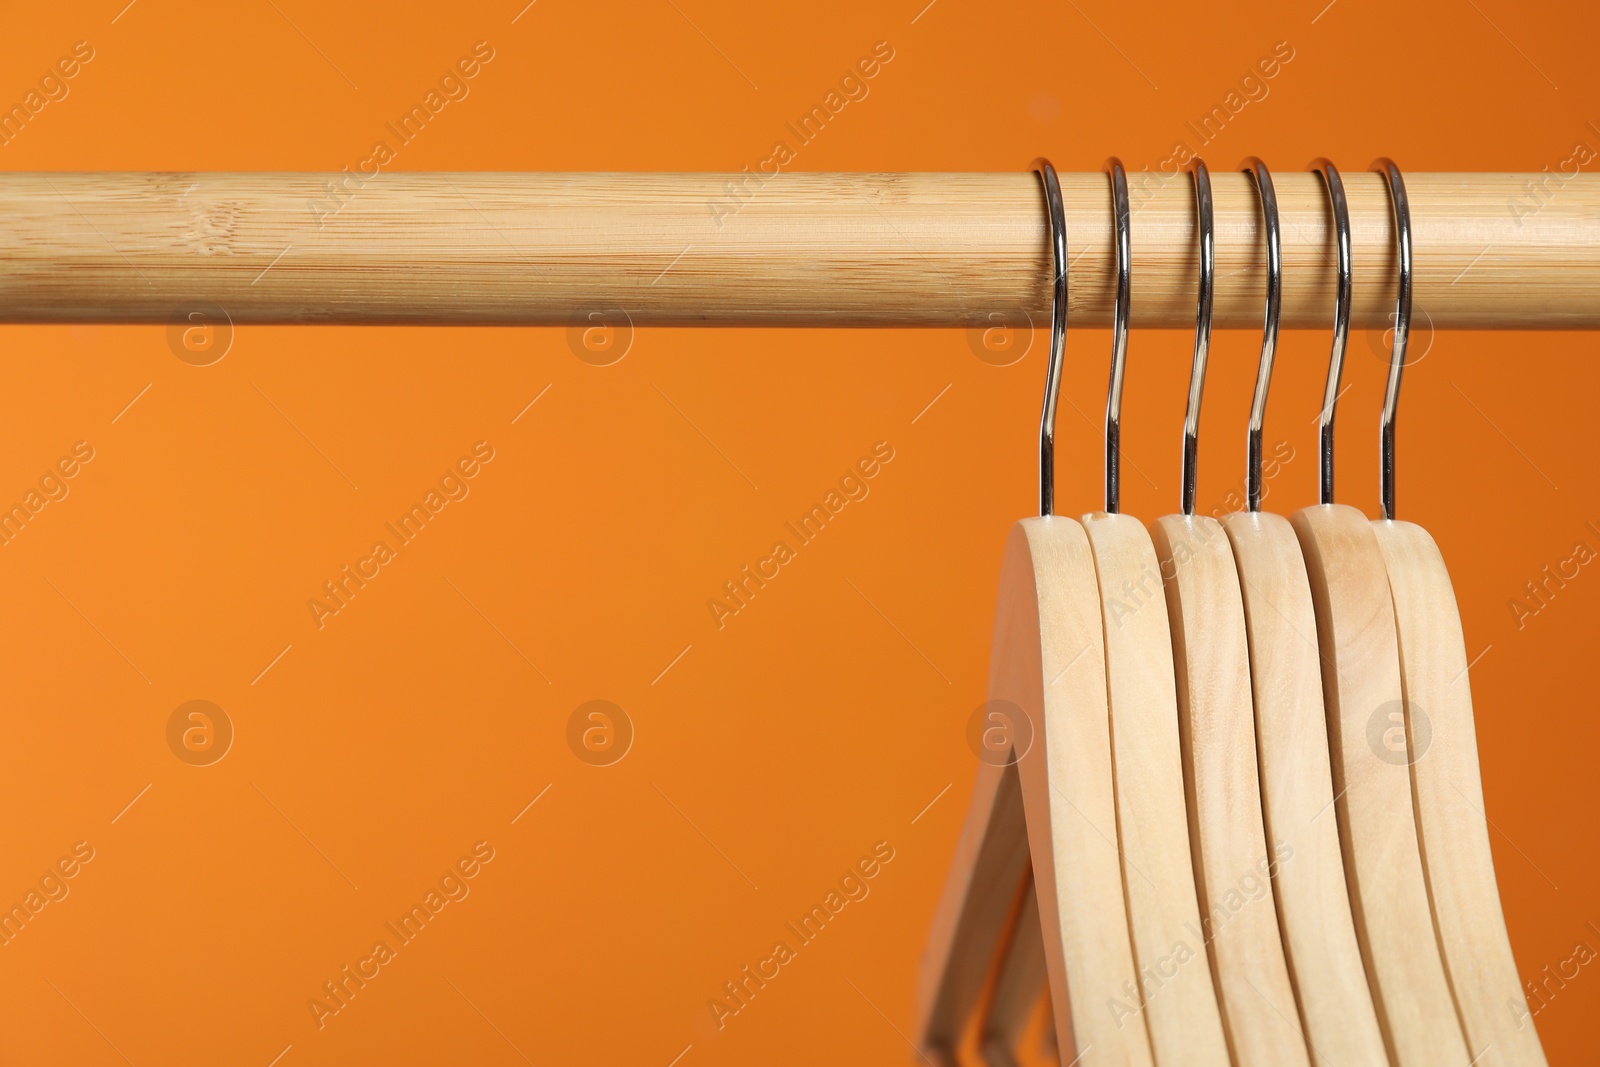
<point>1309,657</point>
<point>1103,819</point>
<point>1233,862</point>
<point>1297,794</point>
<point>1361,683</point>
<point>1048,667</point>
<point>1449,795</point>
<point>988,869</point>
<point>1175,998</point>
<point>1017,987</point>
<point>1440,742</point>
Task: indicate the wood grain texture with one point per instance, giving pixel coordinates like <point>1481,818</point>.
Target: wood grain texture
<point>1049,659</point>
<point>1450,807</point>
<point>1377,827</point>
<point>793,250</point>
<point>1176,998</point>
<point>1313,902</point>
<point>1233,859</point>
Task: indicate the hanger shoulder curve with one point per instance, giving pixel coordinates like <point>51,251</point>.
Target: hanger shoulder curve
<point>1443,758</point>
<point>1049,659</point>
<point>1234,862</point>
<point>1377,826</point>
<point>1175,997</point>
<point>1053,803</point>
<point>1313,903</point>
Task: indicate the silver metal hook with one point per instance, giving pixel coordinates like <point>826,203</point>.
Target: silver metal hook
<point>1402,329</point>
<point>1341,326</point>
<point>1205,218</point>
<point>1269,327</point>
<point>1056,220</point>
<point>1121,216</point>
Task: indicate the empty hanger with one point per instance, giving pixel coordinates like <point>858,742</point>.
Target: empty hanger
<point>1361,688</point>
<point>1048,664</point>
<point>1174,996</point>
<point>1440,744</point>
<point>1313,905</point>
<point>980,891</point>
<point>1233,861</point>
<point>1018,985</point>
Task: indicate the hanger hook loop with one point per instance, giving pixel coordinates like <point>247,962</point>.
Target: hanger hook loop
<point>1402,328</point>
<point>1341,325</point>
<point>1206,225</point>
<point>1269,326</point>
<point>1121,219</point>
<point>1056,220</point>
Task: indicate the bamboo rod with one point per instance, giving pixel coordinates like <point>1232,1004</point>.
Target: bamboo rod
<point>1492,250</point>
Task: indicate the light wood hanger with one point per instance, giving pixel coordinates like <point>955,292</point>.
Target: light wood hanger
<point>853,250</point>
<point>1441,746</point>
<point>1449,795</point>
<point>1356,943</point>
<point>1049,661</point>
<point>1017,988</point>
<point>1048,665</point>
<point>1175,998</point>
<point>988,868</point>
<point>1362,692</point>
<point>1313,904</point>
<point>1232,858</point>
<point>1377,831</point>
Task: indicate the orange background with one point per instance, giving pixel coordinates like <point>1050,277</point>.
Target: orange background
<point>823,718</point>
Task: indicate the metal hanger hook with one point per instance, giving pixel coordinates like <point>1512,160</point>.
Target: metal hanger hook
<point>1206,225</point>
<point>1056,221</point>
<point>1269,326</point>
<point>1402,328</point>
<point>1341,325</point>
<point>1121,220</point>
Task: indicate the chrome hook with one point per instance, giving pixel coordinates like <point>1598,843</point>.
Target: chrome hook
<point>1341,326</point>
<point>1269,327</point>
<point>1121,217</point>
<point>1055,219</point>
<point>1402,329</point>
<point>1206,224</point>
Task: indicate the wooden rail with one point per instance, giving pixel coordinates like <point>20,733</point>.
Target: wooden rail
<point>1511,251</point>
